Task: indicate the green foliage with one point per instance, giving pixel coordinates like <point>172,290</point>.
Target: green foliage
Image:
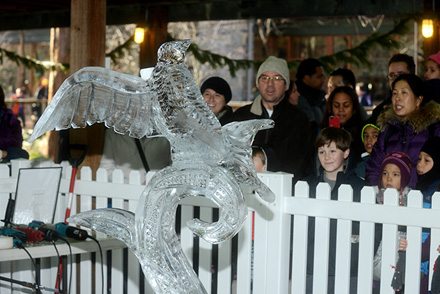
<point>120,51</point>
<point>216,60</point>
<point>31,63</point>
<point>356,55</point>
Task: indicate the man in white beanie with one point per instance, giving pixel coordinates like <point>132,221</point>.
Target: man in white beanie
<point>288,146</point>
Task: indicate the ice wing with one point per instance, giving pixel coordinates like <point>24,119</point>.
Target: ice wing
<point>95,94</point>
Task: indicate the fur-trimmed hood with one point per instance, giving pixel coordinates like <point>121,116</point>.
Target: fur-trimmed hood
<point>419,120</point>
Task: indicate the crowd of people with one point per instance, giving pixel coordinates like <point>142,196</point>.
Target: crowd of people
<point>318,136</point>
<point>327,136</point>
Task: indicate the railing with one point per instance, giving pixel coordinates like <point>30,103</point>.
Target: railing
<point>269,254</point>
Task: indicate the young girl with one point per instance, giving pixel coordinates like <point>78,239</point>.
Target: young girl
<point>428,169</point>
<point>369,135</point>
<point>428,182</point>
<point>432,67</point>
<point>395,173</point>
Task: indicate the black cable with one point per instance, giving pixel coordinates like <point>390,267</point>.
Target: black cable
<point>21,283</point>
<point>102,262</point>
<point>69,286</point>
<point>37,287</point>
<point>58,278</point>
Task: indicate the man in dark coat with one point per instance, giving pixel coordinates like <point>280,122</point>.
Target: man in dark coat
<point>310,79</point>
<point>289,145</point>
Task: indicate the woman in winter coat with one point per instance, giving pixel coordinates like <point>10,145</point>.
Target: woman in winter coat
<point>405,126</point>
<point>10,133</point>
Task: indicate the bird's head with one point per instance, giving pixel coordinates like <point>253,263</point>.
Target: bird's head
<point>173,52</point>
<point>238,137</point>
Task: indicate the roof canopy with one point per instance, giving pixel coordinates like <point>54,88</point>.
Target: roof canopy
<point>32,14</point>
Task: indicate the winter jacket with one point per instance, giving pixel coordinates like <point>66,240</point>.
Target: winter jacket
<point>311,102</point>
<point>289,144</point>
<point>406,135</point>
<point>226,115</point>
<point>360,167</point>
<point>10,130</point>
<point>357,184</point>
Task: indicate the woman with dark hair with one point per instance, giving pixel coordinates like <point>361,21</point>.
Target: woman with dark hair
<point>217,94</point>
<point>10,133</point>
<point>343,105</point>
<point>405,126</point>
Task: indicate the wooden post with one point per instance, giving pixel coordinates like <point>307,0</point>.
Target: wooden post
<point>59,52</point>
<point>155,35</point>
<point>88,24</point>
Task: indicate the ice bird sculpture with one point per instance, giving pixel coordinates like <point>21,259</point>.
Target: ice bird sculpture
<point>207,160</point>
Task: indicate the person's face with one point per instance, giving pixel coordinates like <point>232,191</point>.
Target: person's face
<point>334,82</point>
<point>258,163</point>
<point>294,95</point>
<point>332,158</point>
<point>315,80</point>
<point>272,87</point>
<point>214,100</point>
<point>403,99</point>
<point>370,138</point>
<point>342,107</point>
<point>391,176</point>
<point>425,163</point>
<point>432,70</point>
<point>396,69</point>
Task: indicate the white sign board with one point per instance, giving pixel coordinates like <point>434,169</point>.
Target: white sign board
<point>36,194</point>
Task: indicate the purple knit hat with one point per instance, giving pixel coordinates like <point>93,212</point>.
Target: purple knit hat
<point>402,160</point>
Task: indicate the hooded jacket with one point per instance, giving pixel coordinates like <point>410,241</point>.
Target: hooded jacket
<point>406,135</point>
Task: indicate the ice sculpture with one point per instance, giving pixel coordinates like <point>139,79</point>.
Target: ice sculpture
<point>208,160</point>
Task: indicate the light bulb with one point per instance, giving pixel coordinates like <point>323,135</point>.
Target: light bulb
<point>427,28</point>
<point>139,35</point>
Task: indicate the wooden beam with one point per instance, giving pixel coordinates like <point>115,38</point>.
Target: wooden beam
<point>88,49</point>
<point>155,35</point>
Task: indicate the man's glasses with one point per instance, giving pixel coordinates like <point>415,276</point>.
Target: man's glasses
<point>393,75</point>
<point>266,79</point>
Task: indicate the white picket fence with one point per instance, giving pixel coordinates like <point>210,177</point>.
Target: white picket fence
<point>271,254</point>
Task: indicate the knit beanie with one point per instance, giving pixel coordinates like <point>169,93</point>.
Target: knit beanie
<point>277,65</point>
<point>219,85</point>
<point>402,160</point>
<point>435,57</point>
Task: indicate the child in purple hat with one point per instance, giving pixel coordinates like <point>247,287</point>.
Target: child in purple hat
<point>396,172</point>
